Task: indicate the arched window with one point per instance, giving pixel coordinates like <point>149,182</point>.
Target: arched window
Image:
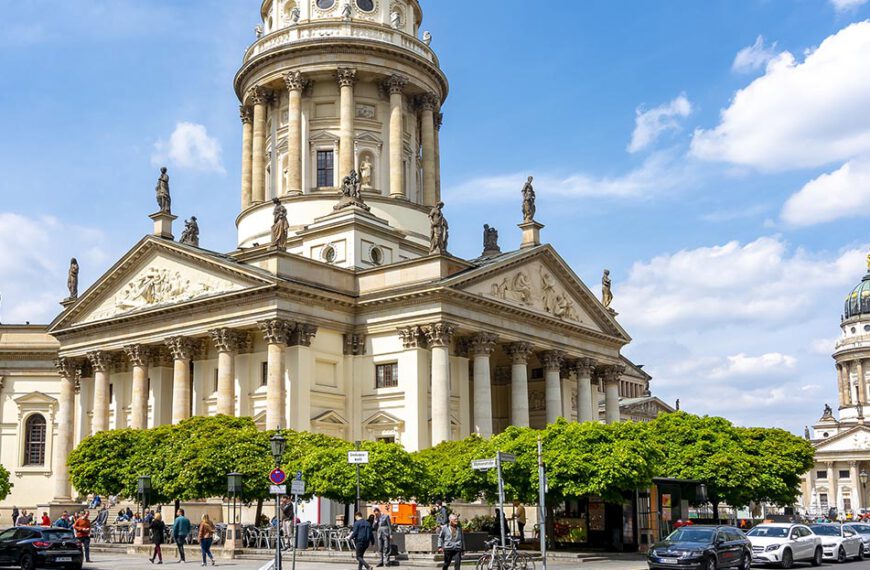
<point>34,440</point>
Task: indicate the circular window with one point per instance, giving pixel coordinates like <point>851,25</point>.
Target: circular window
<point>365,5</point>
<point>825,434</point>
<point>325,4</point>
<point>853,330</point>
<point>329,254</point>
<point>866,328</point>
<point>377,255</point>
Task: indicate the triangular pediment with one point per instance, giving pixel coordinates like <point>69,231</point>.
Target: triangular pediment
<point>37,399</point>
<point>330,418</point>
<point>157,274</point>
<point>855,439</point>
<point>383,419</point>
<point>539,281</point>
<point>650,405</point>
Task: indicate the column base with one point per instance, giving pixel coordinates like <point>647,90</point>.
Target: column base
<point>56,508</point>
<point>163,224</point>
<point>531,234</point>
<point>234,536</point>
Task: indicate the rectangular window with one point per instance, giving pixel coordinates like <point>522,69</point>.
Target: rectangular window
<point>264,373</point>
<point>387,375</point>
<point>325,169</point>
<point>823,501</point>
<point>847,504</point>
<point>843,474</point>
<point>821,474</point>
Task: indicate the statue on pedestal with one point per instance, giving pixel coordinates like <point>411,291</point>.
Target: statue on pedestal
<point>529,201</point>
<point>365,171</point>
<point>351,193</point>
<point>258,30</point>
<point>439,230</point>
<point>828,412</point>
<point>72,280</point>
<point>490,241</point>
<point>294,15</point>
<point>606,291</point>
<point>395,19</point>
<point>280,227</point>
<point>190,235</point>
<point>427,38</point>
<point>346,11</point>
<point>164,200</point>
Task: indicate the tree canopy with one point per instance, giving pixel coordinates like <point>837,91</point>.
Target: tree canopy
<point>5,484</point>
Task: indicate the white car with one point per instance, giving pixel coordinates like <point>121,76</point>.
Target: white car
<point>784,544</point>
<point>862,529</point>
<point>839,542</point>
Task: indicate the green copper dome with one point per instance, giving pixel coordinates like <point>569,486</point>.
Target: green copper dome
<point>858,301</point>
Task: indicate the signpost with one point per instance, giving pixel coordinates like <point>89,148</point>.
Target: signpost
<point>486,465</point>
<point>297,487</point>
<point>542,503</point>
<point>357,458</point>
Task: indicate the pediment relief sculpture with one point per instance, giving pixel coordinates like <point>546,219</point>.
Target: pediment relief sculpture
<point>538,291</point>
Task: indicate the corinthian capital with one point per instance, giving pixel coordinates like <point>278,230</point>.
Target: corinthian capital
<point>428,101</point>
<point>412,337</point>
<point>101,361</point>
<point>67,368</point>
<point>181,347</point>
<point>519,352</point>
<point>439,334</point>
<point>585,366</point>
<point>225,340</point>
<point>552,359</point>
<point>138,354</point>
<point>259,95</point>
<point>395,84</point>
<point>302,335</point>
<point>246,114</point>
<point>612,373</point>
<point>346,76</point>
<point>439,120</point>
<point>482,344</point>
<point>276,331</point>
<point>295,81</point>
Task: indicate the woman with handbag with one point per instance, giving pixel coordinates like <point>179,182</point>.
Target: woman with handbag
<point>158,528</point>
<point>206,538</point>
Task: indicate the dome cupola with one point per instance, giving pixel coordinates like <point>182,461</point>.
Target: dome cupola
<point>858,301</point>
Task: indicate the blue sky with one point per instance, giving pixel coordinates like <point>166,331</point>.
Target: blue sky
<point>714,155</point>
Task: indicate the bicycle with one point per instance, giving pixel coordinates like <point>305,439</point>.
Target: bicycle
<point>504,557</point>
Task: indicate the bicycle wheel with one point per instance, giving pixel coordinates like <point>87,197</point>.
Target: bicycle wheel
<point>486,562</point>
<point>524,562</point>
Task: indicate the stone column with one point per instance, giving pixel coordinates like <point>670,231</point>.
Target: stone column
<point>841,375</point>
<point>862,382</point>
<point>395,85</point>
<point>584,370</point>
<point>611,393</point>
<point>346,81</point>
<point>300,370</point>
<point>63,444</point>
<point>275,333</point>
<point>259,97</point>
<point>181,349</point>
<point>832,486</point>
<point>139,357</point>
<point>296,83</point>
<point>857,499</point>
<point>439,120</point>
<point>439,336</point>
<point>101,363</point>
<point>414,369</point>
<point>811,490</point>
<point>519,353</point>
<point>226,342</point>
<point>428,103</point>
<point>552,360</point>
<point>247,116</point>
<point>481,347</point>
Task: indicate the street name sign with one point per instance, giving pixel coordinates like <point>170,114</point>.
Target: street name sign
<point>358,457</point>
<point>507,457</point>
<point>483,464</point>
<point>277,490</point>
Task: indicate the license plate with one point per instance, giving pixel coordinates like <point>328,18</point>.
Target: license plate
<point>63,559</point>
<point>670,561</point>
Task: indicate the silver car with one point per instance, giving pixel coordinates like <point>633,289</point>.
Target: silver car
<point>864,530</point>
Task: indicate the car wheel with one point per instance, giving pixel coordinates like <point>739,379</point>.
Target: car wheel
<point>787,559</point>
<point>746,561</point>
<point>711,564</point>
<point>841,555</point>
<point>817,557</point>
<point>860,552</point>
<point>27,562</point>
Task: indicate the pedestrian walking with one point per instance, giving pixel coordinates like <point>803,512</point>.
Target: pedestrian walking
<point>383,534</point>
<point>287,519</point>
<point>363,537</point>
<point>180,530</point>
<point>15,514</point>
<point>520,518</point>
<point>206,538</point>
<point>158,528</point>
<point>82,528</point>
<point>452,543</point>
<point>500,518</point>
<point>24,519</point>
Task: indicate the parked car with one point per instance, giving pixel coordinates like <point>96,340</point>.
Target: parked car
<point>862,529</point>
<point>839,542</point>
<point>39,547</point>
<point>702,547</point>
<point>784,544</point>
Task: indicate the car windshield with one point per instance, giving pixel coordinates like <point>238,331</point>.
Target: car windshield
<point>686,534</point>
<point>57,535</point>
<point>862,528</point>
<point>826,529</point>
<point>769,531</point>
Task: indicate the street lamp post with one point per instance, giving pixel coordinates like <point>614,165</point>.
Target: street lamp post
<point>234,490</point>
<point>863,476</point>
<point>140,534</point>
<point>277,443</point>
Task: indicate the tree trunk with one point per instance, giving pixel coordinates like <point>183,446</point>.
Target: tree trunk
<point>259,512</point>
<point>177,507</point>
<point>715,511</point>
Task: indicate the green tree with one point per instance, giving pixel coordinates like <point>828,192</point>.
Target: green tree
<point>448,467</point>
<point>5,484</point>
<point>780,459</point>
<point>103,463</point>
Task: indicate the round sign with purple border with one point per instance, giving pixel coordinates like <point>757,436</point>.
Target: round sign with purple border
<point>277,477</point>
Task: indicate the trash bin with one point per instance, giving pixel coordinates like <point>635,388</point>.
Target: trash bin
<point>302,535</point>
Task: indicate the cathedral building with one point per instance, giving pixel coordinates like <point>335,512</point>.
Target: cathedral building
<point>341,310</point>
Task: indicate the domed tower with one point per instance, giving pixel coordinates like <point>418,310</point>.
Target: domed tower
<point>852,352</point>
<point>330,87</point>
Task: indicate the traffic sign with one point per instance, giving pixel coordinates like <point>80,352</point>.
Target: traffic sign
<point>299,475</point>
<point>507,457</point>
<point>483,464</point>
<point>358,457</point>
<point>277,477</point>
<point>297,487</point>
<point>277,490</point>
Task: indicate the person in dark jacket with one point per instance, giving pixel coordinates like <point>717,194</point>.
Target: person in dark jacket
<point>496,531</point>
<point>363,537</point>
<point>451,543</point>
<point>180,530</point>
<point>158,530</point>
<point>15,514</point>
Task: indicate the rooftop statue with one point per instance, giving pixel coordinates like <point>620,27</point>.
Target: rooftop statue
<point>529,201</point>
<point>490,241</point>
<point>280,227</point>
<point>190,235</point>
<point>164,200</point>
<point>72,280</point>
<point>606,292</point>
<point>440,231</point>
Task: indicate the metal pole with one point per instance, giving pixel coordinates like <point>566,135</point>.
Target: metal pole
<point>277,532</point>
<point>500,497</point>
<point>542,507</point>
<point>356,507</point>
<point>295,506</point>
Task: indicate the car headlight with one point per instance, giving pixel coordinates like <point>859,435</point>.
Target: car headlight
<point>772,547</point>
<point>829,544</point>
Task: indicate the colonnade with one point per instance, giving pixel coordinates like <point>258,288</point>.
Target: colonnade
<point>260,101</point>
<point>829,488</point>
<point>848,394</point>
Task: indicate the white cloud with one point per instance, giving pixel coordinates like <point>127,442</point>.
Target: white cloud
<point>660,171</point>
<point>799,114</point>
<point>652,123</point>
<point>189,147</point>
<point>843,193</point>
<point>34,259</point>
<point>754,57</point>
<point>846,5</point>
<point>743,365</point>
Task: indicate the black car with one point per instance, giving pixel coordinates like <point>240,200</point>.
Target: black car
<point>702,547</point>
<point>32,547</point>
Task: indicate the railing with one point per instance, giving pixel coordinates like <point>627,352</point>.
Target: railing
<point>332,28</point>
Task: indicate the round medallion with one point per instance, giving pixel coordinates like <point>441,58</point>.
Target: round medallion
<point>376,255</point>
<point>325,4</point>
<point>365,5</point>
<point>329,254</point>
